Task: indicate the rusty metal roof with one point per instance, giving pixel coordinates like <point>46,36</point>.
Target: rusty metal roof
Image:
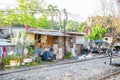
<point>51,33</point>
<point>76,33</point>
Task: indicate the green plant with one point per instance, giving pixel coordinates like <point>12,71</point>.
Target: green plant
<point>6,60</point>
<point>30,50</point>
<point>14,57</point>
<point>33,63</point>
<point>68,55</point>
<point>38,60</point>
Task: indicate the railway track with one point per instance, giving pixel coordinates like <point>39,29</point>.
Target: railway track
<point>50,65</point>
<point>109,75</point>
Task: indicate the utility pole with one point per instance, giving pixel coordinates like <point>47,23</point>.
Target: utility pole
<point>60,27</point>
<point>89,21</point>
<point>65,22</point>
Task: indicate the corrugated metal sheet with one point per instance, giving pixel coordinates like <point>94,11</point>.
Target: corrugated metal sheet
<point>6,44</point>
<point>116,44</point>
<point>48,33</point>
<point>4,40</point>
<point>76,33</point>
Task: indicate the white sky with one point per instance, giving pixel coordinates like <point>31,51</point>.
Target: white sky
<point>84,8</point>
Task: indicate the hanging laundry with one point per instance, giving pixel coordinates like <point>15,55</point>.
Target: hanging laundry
<point>4,52</point>
<point>1,51</point>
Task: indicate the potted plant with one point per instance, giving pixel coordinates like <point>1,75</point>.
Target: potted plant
<point>6,60</point>
<point>28,59</point>
<point>14,60</point>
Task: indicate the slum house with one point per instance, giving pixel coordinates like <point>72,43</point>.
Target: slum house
<point>117,44</point>
<point>40,38</point>
<point>76,42</point>
<point>21,39</point>
<point>44,38</point>
<point>16,37</point>
<point>108,39</point>
<point>50,38</point>
<point>5,42</point>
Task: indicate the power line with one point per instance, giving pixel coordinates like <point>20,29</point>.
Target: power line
<point>75,14</point>
<point>76,18</point>
<point>72,15</point>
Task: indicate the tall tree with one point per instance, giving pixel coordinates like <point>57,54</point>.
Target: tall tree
<point>28,9</point>
<point>97,32</point>
<point>110,11</point>
<point>82,26</point>
<point>75,26</point>
<point>52,9</point>
<point>26,12</point>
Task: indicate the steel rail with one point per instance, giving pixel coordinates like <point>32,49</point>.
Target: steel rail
<point>109,75</point>
<point>50,65</point>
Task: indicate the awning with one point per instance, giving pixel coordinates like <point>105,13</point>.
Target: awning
<point>4,40</point>
<point>116,44</point>
<point>6,44</point>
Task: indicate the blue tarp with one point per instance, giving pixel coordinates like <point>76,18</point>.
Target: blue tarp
<point>99,41</point>
<point>46,55</point>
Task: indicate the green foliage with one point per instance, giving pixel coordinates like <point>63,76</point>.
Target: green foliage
<point>68,55</point>
<point>42,22</point>
<point>97,33</point>
<point>8,18</point>
<point>52,8</point>
<point>75,26</point>
<point>30,50</point>
<point>52,12</point>
<point>6,60</point>
<point>71,25</point>
<point>38,60</point>
<point>28,10</point>
<point>82,26</point>
<point>25,13</point>
<point>33,63</point>
<point>29,6</point>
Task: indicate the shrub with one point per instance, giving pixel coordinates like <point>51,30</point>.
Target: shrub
<point>38,60</point>
<point>6,60</point>
<point>68,55</point>
<point>30,50</point>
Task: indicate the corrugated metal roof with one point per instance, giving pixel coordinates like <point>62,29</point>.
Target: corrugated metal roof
<point>76,33</point>
<point>4,40</point>
<point>117,44</point>
<point>49,33</point>
<point>6,44</point>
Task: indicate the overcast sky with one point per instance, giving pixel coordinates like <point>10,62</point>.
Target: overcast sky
<point>83,8</point>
